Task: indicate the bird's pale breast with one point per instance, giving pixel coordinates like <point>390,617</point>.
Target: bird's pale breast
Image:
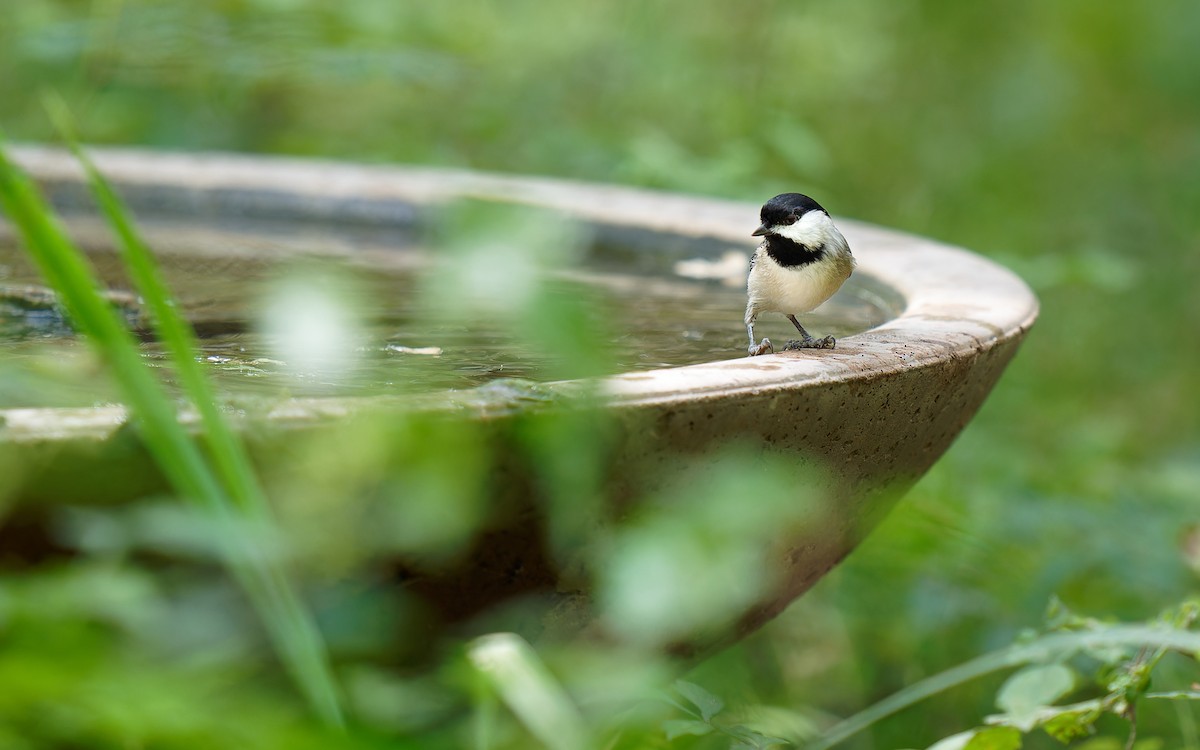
<point>773,288</point>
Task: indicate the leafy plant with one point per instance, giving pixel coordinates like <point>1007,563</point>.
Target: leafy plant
<point>1120,658</point>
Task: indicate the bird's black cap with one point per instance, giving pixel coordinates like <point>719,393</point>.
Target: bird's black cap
<point>785,208</point>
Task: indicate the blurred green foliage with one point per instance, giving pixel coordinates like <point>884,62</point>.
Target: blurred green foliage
<point>1060,138</point>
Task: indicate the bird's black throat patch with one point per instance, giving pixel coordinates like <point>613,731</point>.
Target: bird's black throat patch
<point>791,254</point>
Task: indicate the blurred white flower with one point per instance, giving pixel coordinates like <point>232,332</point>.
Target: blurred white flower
<point>312,324</point>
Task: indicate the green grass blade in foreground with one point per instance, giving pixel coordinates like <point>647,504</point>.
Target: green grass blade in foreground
<point>1039,650</point>
<point>170,327</point>
<point>291,629</point>
<point>63,268</point>
<point>529,690</point>
<point>286,617</point>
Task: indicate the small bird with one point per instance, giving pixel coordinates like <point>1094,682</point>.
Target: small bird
<point>802,261</point>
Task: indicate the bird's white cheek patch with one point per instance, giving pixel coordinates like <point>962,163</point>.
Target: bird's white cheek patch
<point>811,229</point>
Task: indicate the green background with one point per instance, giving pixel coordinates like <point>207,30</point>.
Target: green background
<point>1059,138</point>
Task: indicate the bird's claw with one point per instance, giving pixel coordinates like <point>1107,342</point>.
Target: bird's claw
<point>761,348</point>
<point>829,342</point>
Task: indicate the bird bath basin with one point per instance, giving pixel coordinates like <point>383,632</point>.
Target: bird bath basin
<point>925,331</point>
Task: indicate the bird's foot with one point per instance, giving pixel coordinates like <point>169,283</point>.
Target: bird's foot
<point>762,348</point>
<point>809,342</point>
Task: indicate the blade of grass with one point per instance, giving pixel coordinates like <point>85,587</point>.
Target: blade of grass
<point>78,292</point>
<point>170,327</point>
<point>291,628</point>
<point>529,690</point>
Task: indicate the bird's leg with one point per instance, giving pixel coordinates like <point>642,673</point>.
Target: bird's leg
<point>756,349</point>
<point>806,341</point>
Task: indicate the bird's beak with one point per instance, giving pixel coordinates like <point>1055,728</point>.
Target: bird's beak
<point>764,229</point>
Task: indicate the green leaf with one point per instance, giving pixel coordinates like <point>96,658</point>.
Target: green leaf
<point>981,738</point>
<point>1068,726</point>
<point>1063,723</point>
<point>1032,689</point>
<point>676,728</point>
<point>709,704</point>
<point>995,738</point>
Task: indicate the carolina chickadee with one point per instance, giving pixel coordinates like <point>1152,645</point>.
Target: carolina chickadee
<point>802,261</point>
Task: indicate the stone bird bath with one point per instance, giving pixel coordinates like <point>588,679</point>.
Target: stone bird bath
<point>875,413</point>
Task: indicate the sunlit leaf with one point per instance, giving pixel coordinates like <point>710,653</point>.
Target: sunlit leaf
<point>981,738</point>
<point>995,738</point>
<point>1061,722</point>
<point>1066,726</point>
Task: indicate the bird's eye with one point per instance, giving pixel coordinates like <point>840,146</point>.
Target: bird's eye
<point>791,219</point>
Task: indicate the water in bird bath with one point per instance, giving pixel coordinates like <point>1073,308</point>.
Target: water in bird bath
<point>661,310</point>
